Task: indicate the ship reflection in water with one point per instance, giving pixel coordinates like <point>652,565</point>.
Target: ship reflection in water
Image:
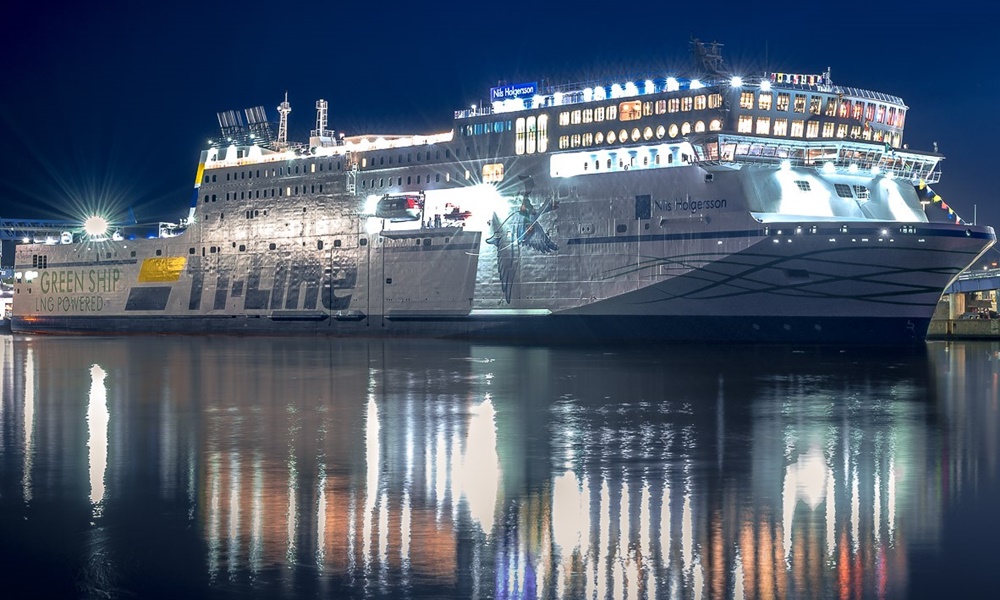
<point>314,467</point>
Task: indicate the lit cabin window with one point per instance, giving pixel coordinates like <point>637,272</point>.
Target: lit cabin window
<point>814,105</point>
<point>543,133</point>
<point>532,126</point>
<point>715,125</point>
<point>647,109</point>
<point>563,142</point>
<point>782,103</point>
<point>828,130</point>
<point>764,101</point>
<point>800,103</point>
<point>699,126</point>
<point>661,107</point>
<point>564,118</point>
<point>599,114</point>
<point>588,115</point>
<point>588,139</point>
<point>781,127</point>
<point>611,113</point>
<point>842,130</point>
<point>519,136</point>
<point>858,110</point>
<point>831,107</point>
<point>493,173</point>
<point>630,111</point>
<point>574,140</point>
<point>870,112</point>
<point>700,102</point>
<point>686,103</point>
<point>880,113</point>
<point>685,128</point>
<point>845,109</point>
<point>798,126</point>
<point>812,129</point>
<point>575,117</point>
<point>745,124</point>
<point>763,126</point>
<point>714,100</point>
<point>746,100</point>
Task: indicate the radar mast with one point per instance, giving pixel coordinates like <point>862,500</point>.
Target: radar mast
<point>283,109</point>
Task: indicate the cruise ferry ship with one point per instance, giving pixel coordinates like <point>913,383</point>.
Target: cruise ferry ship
<point>712,207</point>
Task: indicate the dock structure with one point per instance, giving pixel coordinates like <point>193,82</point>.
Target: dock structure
<point>35,230</point>
<point>966,307</point>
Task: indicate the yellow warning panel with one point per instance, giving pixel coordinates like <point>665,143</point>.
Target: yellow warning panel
<point>161,269</point>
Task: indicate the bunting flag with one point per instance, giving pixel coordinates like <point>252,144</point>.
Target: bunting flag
<point>927,196</point>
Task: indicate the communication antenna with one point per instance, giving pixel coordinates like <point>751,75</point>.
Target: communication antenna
<point>283,109</point>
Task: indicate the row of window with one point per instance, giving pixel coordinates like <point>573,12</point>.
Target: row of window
<point>623,136</point>
<point>274,192</point>
<point>409,157</point>
<point>861,192</point>
<point>387,181</point>
<point>636,109</point>
<point>270,246</point>
<point>330,165</point>
<point>531,135</point>
<point>313,189</point>
<point>798,127</point>
<point>859,110</point>
<point>274,172</point>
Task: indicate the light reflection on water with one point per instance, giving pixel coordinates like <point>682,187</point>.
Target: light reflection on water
<point>291,467</point>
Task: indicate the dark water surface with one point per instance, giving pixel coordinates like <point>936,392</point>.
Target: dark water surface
<point>185,467</point>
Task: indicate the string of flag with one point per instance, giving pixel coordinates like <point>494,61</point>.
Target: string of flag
<point>930,196</point>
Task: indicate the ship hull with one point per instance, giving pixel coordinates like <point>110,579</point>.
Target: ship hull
<point>795,287</point>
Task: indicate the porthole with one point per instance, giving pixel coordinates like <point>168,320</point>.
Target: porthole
<point>599,138</point>
<point>647,133</point>
<point>660,132</point>
<point>623,136</point>
<point>611,137</point>
<point>673,130</point>
<point>685,128</point>
<point>635,134</point>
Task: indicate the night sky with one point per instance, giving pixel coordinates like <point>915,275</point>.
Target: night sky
<point>107,105</point>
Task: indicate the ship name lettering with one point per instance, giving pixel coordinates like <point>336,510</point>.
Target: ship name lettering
<point>689,205</point>
<point>79,282</point>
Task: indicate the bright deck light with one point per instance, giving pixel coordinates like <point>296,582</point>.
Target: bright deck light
<point>95,226</point>
<point>736,81</point>
<point>765,86</point>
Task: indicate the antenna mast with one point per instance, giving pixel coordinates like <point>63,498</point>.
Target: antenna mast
<point>284,108</point>
<point>321,136</point>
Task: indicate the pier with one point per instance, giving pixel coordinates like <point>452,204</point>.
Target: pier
<point>966,308</point>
